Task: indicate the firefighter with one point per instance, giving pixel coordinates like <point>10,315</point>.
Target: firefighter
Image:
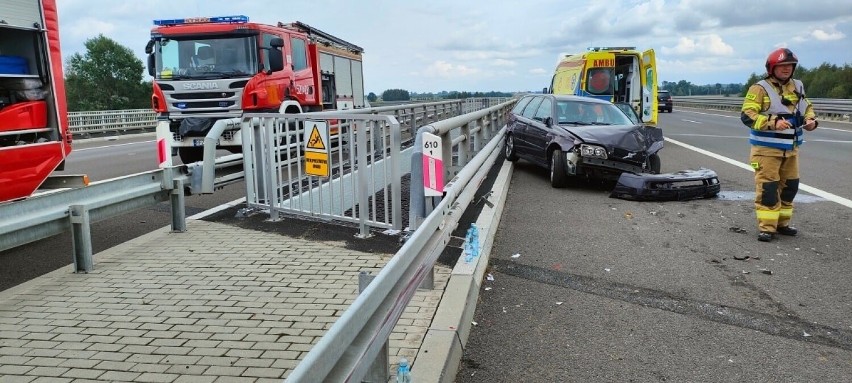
<point>776,110</point>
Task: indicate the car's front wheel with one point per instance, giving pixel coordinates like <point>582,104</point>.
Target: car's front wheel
<point>510,148</point>
<point>654,164</point>
<point>558,178</point>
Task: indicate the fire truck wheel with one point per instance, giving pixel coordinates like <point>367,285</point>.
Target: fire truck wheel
<point>189,155</point>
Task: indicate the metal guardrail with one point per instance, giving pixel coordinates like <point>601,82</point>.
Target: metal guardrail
<point>347,351</point>
<point>48,214</point>
<point>53,213</point>
<point>826,108</point>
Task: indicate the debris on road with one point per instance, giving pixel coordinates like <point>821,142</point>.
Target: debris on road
<point>678,186</point>
<point>489,277</point>
<point>516,255</point>
<point>738,230</point>
<point>765,271</point>
<point>741,257</point>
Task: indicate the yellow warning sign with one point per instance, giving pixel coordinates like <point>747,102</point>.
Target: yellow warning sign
<point>315,141</point>
<point>316,164</point>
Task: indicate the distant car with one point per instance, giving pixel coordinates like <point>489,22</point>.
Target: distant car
<point>581,136</point>
<point>664,101</point>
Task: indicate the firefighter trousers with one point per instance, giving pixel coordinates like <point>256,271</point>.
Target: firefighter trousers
<point>776,184</point>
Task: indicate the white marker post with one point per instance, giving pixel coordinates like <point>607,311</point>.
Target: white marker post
<point>433,166</point>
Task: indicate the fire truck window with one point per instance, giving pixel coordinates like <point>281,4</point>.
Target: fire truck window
<point>300,57</point>
<point>267,43</point>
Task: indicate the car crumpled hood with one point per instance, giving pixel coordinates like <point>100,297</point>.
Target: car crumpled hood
<point>621,141</point>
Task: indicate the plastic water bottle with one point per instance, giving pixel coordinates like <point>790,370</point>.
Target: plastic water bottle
<point>403,373</point>
<point>475,239</point>
<point>471,244</point>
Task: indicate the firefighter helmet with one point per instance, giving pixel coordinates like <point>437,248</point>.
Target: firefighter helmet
<point>780,56</point>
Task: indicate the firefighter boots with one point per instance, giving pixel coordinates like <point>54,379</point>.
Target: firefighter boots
<point>764,236</point>
<point>788,230</point>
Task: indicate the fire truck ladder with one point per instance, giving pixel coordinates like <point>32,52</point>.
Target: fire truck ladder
<point>321,36</point>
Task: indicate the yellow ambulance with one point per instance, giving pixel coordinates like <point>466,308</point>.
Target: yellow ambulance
<point>616,74</point>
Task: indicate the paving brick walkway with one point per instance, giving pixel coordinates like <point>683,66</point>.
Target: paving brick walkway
<point>214,304</point>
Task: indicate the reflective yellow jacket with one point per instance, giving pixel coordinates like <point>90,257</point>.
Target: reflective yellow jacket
<point>755,112</point>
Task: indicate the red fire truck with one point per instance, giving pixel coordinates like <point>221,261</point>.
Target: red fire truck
<point>211,68</point>
<point>34,136</point>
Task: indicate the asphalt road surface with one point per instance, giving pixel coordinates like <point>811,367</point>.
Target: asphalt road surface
<point>610,290</point>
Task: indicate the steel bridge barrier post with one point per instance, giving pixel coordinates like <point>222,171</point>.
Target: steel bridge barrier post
<point>378,371</point>
<point>178,210</point>
<point>81,235</point>
<point>361,174</point>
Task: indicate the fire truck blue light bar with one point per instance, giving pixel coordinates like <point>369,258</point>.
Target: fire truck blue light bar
<point>196,20</point>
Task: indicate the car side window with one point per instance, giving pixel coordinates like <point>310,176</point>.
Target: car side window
<point>521,104</point>
<point>544,110</point>
<point>532,108</point>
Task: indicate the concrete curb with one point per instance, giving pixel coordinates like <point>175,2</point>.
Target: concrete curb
<point>441,351</point>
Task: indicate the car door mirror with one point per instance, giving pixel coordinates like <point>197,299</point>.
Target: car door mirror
<point>152,65</point>
<point>548,121</point>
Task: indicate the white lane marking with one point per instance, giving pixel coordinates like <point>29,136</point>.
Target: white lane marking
<point>810,189</point>
<point>706,135</point>
<point>832,141</point>
<point>112,146</point>
<point>692,121</point>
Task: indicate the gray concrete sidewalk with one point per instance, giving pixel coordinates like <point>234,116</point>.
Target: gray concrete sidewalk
<point>214,304</point>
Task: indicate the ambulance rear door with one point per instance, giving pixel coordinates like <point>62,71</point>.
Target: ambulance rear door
<point>649,87</point>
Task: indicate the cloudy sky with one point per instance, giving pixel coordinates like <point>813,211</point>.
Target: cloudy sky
<point>473,45</point>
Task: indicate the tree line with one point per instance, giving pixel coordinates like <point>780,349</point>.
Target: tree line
<point>824,81</point>
<point>108,76</point>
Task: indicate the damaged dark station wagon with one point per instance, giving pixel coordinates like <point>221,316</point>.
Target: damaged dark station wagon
<point>576,136</point>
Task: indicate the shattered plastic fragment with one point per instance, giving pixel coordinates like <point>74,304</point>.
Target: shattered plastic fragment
<point>487,288</point>
<point>607,269</point>
<point>516,255</point>
<point>559,303</point>
<point>805,334</point>
<point>741,257</point>
<point>765,271</point>
<point>474,323</point>
<point>490,277</point>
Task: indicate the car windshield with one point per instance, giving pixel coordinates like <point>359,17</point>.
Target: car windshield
<point>589,113</point>
<point>205,57</point>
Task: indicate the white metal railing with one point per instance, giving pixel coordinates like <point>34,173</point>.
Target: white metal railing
<point>363,159</point>
<point>86,123</point>
<point>83,123</point>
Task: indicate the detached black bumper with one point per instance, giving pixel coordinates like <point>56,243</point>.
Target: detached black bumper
<point>678,186</point>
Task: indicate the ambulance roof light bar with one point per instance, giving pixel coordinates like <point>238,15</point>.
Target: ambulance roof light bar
<point>238,19</point>
<point>599,49</point>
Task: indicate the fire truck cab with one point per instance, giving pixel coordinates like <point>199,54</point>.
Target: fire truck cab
<point>34,136</point>
<point>616,74</point>
<point>211,68</point>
